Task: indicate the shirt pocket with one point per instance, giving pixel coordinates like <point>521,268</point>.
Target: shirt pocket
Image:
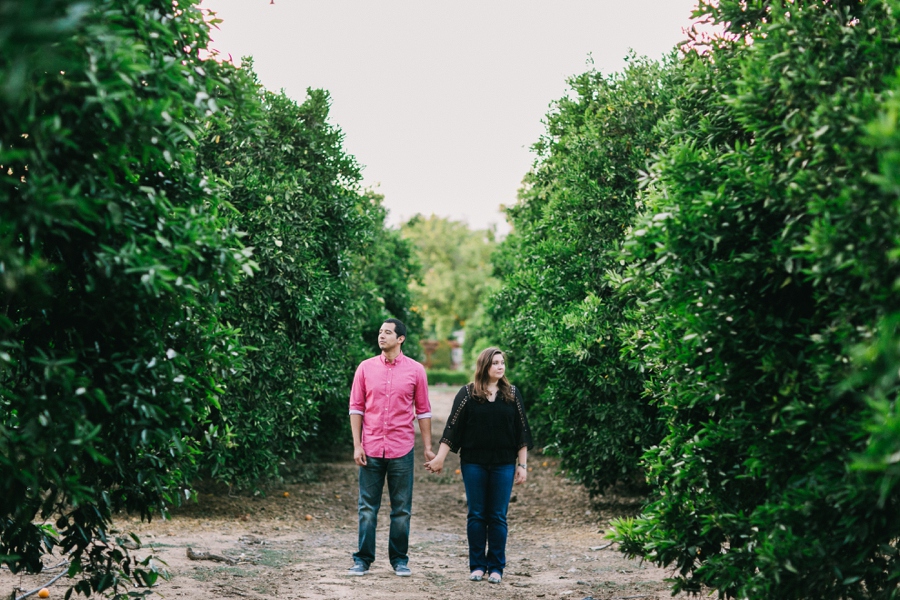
<point>405,387</point>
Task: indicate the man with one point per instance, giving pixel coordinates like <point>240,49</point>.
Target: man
<point>389,393</point>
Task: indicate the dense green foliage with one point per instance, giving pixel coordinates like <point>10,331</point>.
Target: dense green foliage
<point>188,274</point>
<point>877,360</point>
<point>319,243</point>
<point>387,270</point>
<point>740,311</point>
<point>557,311</point>
<point>765,261</point>
<point>456,271</point>
<point>113,259</point>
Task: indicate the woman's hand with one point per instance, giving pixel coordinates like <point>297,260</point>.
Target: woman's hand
<point>436,464</point>
<point>521,475</point>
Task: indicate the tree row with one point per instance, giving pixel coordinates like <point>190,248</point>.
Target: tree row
<point>700,294</point>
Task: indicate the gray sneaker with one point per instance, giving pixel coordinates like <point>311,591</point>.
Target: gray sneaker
<point>358,568</point>
<point>402,570</point>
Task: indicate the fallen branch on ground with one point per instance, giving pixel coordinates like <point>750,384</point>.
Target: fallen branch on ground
<point>207,556</point>
<point>46,585</point>
<point>595,548</point>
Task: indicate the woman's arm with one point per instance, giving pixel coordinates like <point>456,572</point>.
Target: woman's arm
<point>453,431</point>
<point>523,439</point>
<point>522,465</point>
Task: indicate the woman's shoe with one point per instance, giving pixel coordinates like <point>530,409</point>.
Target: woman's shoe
<point>495,578</point>
<point>477,575</point>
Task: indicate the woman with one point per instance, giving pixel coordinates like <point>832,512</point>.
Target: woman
<point>488,427</point>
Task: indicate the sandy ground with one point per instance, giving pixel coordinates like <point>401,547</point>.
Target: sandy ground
<point>297,541</point>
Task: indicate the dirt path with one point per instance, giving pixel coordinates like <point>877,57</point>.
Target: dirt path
<point>297,542</point>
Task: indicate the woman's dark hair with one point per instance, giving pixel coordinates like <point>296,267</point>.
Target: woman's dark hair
<point>399,327</point>
<point>482,378</point>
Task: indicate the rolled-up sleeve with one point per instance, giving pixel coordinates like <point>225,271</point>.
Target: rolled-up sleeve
<point>423,404</point>
<point>358,393</point>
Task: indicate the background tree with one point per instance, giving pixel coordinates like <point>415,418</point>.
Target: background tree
<point>113,258</point>
<point>387,268</point>
<point>764,249</point>
<point>456,271</point>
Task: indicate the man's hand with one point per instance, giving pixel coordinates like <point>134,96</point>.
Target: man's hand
<point>359,456</point>
<point>429,455</point>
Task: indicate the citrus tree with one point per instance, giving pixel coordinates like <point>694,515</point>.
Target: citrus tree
<point>764,263</point>
<point>557,311</point>
<point>329,272</point>
<point>113,261</point>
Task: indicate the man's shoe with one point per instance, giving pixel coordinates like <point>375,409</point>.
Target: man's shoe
<point>495,578</point>
<point>358,568</point>
<point>402,571</point>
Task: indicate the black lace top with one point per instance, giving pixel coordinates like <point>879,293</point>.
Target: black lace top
<point>487,433</point>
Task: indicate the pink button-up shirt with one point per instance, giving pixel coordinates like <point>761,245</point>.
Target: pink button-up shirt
<point>389,396</point>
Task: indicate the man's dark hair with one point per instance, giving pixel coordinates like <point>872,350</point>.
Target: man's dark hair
<point>399,327</point>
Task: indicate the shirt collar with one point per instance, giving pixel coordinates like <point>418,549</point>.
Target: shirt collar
<point>397,360</point>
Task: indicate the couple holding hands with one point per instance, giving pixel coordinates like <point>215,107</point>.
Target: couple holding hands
<point>487,426</point>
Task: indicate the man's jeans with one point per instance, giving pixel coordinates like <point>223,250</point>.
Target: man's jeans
<point>399,473</point>
<point>488,488</point>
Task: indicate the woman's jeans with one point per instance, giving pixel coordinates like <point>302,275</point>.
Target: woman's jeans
<point>488,488</point>
<point>399,473</point>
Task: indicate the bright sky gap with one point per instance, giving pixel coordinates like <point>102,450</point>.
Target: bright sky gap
<point>440,102</point>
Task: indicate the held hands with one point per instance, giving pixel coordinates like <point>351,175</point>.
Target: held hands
<point>435,464</point>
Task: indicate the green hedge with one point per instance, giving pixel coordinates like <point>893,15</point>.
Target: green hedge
<point>140,188</point>
<point>448,377</point>
<point>704,265</point>
<point>765,264</point>
<point>321,248</point>
<point>114,258</point>
<point>557,313</point>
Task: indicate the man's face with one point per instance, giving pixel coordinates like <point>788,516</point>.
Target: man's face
<point>387,337</point>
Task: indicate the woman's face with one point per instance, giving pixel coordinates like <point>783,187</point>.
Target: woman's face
<point>498,367</point>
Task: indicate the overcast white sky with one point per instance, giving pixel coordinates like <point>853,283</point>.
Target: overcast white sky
<point>441,101</point>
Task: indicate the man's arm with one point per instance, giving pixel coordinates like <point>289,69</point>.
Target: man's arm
<point>357,410</point>
<point>359,455</point>
<point>425,430</point>
<point>423,411</point>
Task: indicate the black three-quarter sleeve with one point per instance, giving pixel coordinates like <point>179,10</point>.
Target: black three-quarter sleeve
<point>455,428</point>
<point>523,431</point>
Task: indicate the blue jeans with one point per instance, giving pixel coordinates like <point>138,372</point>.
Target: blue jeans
<point>488,488</point>
<point>399,473</point>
